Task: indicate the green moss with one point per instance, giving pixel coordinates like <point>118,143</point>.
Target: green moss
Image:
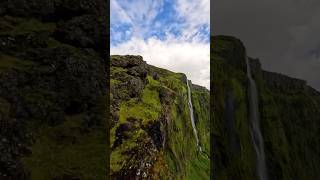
<point>147,109</point>
<point>18,26</point>
<point>179,156</point>
<point>285,134</point>
<point>229,78</point>
<point>10,62</point>
<point>64,151</point>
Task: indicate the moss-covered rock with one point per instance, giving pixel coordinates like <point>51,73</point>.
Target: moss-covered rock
<point>53,90</point>
<point>151,134</point>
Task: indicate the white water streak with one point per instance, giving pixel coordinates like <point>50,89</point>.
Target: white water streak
<point>192,117</point>
<point>256,135</point>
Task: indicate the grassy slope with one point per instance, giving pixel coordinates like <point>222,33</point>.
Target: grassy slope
<point>179,159</point>
<point>290,125</point>
<point>200,101</point>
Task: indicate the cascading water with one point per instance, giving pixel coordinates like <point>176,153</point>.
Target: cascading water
<point>192,117</point>
<point>256,135</point>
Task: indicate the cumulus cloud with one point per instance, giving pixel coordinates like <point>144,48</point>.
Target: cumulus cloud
<point>168,34</point>
<point>193,58</point>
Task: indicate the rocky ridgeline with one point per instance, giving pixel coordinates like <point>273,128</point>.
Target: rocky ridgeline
<point>52,68</point>
<point>279,81</point>
<point>276,80</point>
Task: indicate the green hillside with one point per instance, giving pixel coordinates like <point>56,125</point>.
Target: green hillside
<point>289,113</point>
<point>151,133</point>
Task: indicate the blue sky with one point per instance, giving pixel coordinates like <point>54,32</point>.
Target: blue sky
<point>172,34</point>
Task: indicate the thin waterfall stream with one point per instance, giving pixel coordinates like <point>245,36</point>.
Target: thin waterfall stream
<point>256,135</point>
<point>192,117</point>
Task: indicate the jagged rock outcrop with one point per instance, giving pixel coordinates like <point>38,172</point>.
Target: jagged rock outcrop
<point>52,89</point>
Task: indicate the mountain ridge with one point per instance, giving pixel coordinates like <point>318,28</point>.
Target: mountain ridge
<point>289,113</point>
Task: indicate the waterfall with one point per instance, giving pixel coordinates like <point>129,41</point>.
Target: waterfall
<point>256,135</point>
<point>192,117</point>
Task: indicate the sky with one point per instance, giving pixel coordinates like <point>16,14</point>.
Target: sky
<point>284,34</point>
<point>171,34</point>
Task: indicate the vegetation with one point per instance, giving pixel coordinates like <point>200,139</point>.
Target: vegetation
<point>289,111</point>
<point>52,91</point>
<point>159,115</point>
<point>233,149</point>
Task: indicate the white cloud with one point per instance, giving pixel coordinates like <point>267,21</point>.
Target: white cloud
<point>140,14</point>
<point>188,53</point>
<point>196,13</point>
<point>191,58</point>
<point>118,14</point>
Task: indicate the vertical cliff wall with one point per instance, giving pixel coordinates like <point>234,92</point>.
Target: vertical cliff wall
<point>234,155</point>
<point>289,116</point>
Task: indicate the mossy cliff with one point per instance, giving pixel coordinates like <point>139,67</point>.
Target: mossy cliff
<point>289,111</point>
<point>52,89</point>
<point>151,132</point>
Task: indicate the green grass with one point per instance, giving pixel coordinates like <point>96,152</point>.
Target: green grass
<point>64,151</point>
<point>11,62</point>
<point>18,26</point>
<point>179,156</point>
<point>147,110</point>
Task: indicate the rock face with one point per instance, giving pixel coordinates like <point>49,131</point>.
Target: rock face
<point>289,119</point>
<point>151,133</point>
<point>52,89</point>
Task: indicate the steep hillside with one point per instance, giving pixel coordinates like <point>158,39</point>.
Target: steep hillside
<point>52,89</point>
<point>234,156</point>
<point>289,113</point>
<point>151,132</point>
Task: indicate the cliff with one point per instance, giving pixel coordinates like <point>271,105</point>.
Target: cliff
<point>52,89</point>
<point>289,113</point>
<point>151,132</point>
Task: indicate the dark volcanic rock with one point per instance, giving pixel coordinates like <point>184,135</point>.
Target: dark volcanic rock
<point>154,131</point>
<point>139,71</point>
<point>135,87</point>
<point>127,61</point>
<point>52,68</point>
